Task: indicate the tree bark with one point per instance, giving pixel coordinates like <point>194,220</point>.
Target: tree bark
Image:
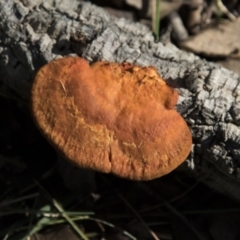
<point>33,32</point>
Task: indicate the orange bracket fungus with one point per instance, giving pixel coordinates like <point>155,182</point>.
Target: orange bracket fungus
<point>110,117</point>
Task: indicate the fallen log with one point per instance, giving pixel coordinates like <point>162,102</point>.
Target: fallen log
<point>32,33</point>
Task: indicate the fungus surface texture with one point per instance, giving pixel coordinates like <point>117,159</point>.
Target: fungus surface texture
<point>110,117</point>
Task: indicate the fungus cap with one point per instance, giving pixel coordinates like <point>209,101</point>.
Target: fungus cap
<point>110,117</point>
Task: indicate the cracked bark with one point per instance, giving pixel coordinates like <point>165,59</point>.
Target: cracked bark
<point>33,32</point>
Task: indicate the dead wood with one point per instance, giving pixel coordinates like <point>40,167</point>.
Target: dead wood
<point>34,32</point>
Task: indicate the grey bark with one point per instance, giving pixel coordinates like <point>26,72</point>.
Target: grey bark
<point>33,32</point>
